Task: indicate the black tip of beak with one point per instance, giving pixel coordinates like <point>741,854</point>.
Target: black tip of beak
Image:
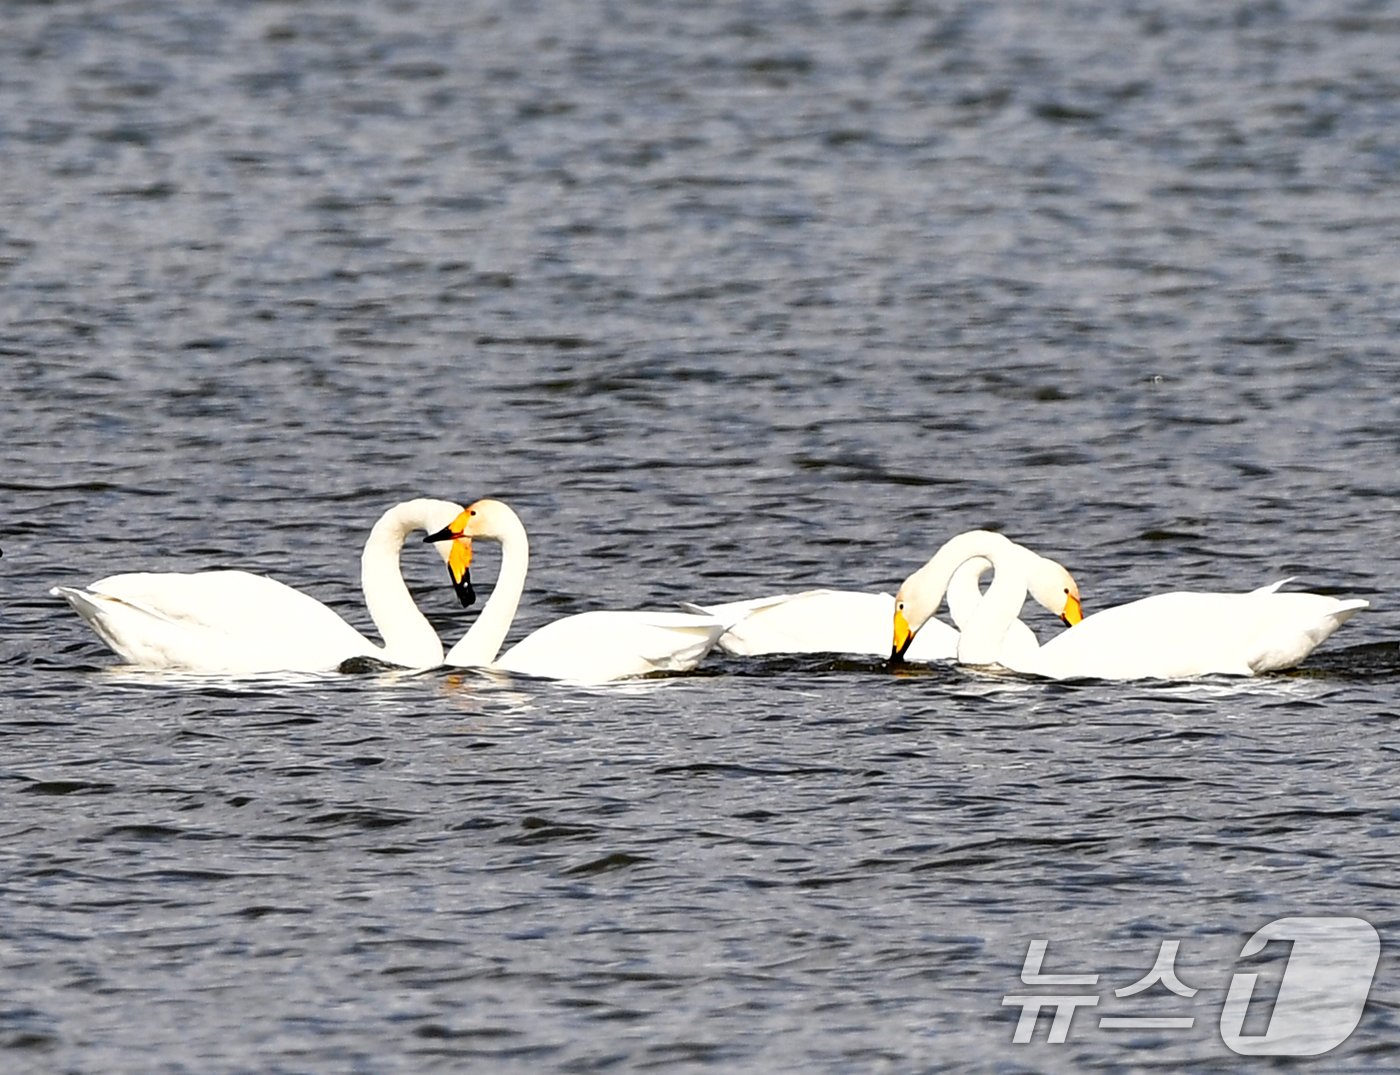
<point>465,593</point>
<point>897,655</point>
<point>445,534</point>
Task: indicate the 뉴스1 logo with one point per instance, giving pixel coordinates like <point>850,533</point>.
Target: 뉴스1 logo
<point>1323,992</point>
<point>1319,1002</point>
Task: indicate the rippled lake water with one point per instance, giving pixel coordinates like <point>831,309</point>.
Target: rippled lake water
<point>724,299</point>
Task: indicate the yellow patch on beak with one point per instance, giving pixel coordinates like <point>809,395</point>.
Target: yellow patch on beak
<point>1073,612</point>
<point>902,635</point>
<point>459,558</point>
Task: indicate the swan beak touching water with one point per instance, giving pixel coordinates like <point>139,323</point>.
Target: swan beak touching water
<point>902,636</point>
<point>459,561</point>
<point>1016,572</point>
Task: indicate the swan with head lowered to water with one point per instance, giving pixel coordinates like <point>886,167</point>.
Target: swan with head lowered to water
<point>239,623</point>
<point>1174,635</point>
<point>857,622</point>
<point>590,647</point>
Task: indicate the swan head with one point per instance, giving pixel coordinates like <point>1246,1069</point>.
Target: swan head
<point>917,600</point>
<point>455,543</point>
<point>1055,590</point>
<point>489,519</point>
<point>915,603</point>
<point>912,605</point>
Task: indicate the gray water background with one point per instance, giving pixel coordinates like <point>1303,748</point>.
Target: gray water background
<point>724,299</point>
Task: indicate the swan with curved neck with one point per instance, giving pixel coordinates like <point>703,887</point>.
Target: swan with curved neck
<point>856,622</point>
<point>985,631</point>
<point>590,647</point>
<point>235,622</point>
<point>1173,635</point>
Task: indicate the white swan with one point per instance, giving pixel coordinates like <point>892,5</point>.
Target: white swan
<point>237,623</point>
<point>1168,636</point>
<point>852,621</point>
<point>590,647</point>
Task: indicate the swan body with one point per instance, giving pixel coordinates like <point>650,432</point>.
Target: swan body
<point>1184,634</point>
<point>821,621</point>
<point>591,647</point>
<point>853,621</point>
<point>637,644</point>
<point>1167,636</point>
<point>238,623</point>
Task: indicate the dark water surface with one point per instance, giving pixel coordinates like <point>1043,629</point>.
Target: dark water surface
<point>724,299</point>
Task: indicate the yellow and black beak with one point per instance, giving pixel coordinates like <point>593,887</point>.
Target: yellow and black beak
<point>1073,612</point>
<point>902,637</point>
<point>459,561</point>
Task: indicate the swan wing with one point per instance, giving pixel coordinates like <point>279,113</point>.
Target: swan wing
<point>809,621</point>
<point>732,612</point>
<point>1165,636</point>
<point>1184,634</point>
<point>214,621</point>
<point>596,647</point>
<point>823,621</point>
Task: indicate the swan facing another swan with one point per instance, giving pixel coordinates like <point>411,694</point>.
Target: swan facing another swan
<point>852,621</point>
<point>237,623</point>
<point>590,647</point>
<point>234,622</point>
<point>1168,636</point>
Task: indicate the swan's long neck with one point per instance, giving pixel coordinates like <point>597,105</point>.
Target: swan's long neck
<point>409,639</point>
<point>965,590</point>
<point>982,628</point>
<point>982,637</point>
<point>483,642</point>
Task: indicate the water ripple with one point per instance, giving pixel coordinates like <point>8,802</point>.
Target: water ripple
<point>726,302</point>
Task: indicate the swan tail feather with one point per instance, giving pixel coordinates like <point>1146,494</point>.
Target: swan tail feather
<point>1285,646</point>
<point>1349,608</point>
<point>88,606</point>
<point>93,604</point>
